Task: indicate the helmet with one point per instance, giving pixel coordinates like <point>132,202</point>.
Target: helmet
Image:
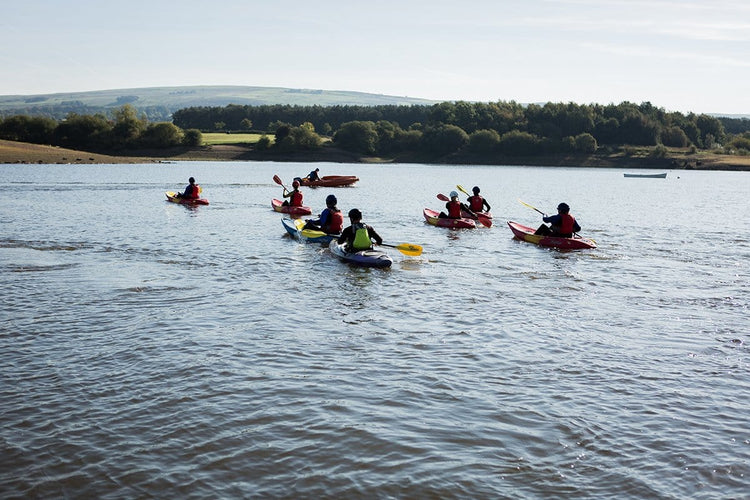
<point>295,184</point>
<point>454,194</point>
<point>191,180</point>
<point>354,213</point>
<point>563,207</point>
<point>331,200</point>
<point>475,189</point>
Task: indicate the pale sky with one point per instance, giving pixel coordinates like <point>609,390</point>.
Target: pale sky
<point>681,55</point>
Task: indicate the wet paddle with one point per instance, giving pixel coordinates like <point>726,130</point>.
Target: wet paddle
<point>406,248</point>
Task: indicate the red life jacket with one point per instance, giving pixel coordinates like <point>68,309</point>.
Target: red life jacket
<point>454,209</point>
<point>195,191</point>
<point>335,223</point>
<point>476,203</point>
<point>567,222</point>
<point>296,199</point>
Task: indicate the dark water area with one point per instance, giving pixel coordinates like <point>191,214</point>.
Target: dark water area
<point>150,350</point>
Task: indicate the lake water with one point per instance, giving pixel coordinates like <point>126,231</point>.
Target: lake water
<point>150,350</point>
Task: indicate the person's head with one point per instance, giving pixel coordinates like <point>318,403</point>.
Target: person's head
<point>295,184</point>
<point>317,170</point>
<point>355,215</point>
<point>453,195</point>
<point>331,200</point>
<point>475,189</point>
<point>563,208</point>
<point>191,180</point>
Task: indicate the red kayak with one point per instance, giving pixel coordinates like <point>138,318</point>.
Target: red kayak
<point>527,234</point>
<point>433,218</point>
<point>330,181</point>
<point>279,206</point>
<point>172,196</point>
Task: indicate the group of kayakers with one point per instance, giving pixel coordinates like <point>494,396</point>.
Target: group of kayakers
<point>359,236</point>
<point>455,208</point>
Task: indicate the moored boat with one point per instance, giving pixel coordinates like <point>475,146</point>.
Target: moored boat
<point>526,233</point>
<point>648,176</point>
<point>330,181</point>
<point>172,196</point>
<point>432,217</point>
<point>364,258</point>
<point>295,227</point>
<point>279,206</point>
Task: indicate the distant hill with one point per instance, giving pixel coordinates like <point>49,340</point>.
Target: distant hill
<point>158,103</point>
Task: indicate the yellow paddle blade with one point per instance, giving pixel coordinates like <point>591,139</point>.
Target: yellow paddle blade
<point>461,188</point>
<point>409,249</point>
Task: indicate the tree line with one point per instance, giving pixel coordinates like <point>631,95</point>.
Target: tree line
<point>432,131</point>
<point>124,128</point>
<point>498,127</point>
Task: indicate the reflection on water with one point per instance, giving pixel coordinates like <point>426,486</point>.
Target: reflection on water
<point>153,349</point>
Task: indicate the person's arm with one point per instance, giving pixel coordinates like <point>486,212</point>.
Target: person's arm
<point>576,227</point>
<point>466,208</point>
<point>374,235</point>
<point>345,234</point>
<point>552,219</point>
<point>484,202</point>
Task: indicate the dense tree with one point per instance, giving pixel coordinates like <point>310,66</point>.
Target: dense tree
<point>161,135</point>
<point>444,139</point>
<point>484,141</point>
<point>357,136</point>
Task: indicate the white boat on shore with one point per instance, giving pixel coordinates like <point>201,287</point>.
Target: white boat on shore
<point>648,176</point>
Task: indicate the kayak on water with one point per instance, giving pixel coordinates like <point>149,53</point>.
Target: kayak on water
<point>433,218</point>
<point>467,215</point>
<point>526,233</point>
<point>364,258</point>
<point>295,227</point>
<point>172,196</point>
<point>330,181</point>
<point>279,206</point>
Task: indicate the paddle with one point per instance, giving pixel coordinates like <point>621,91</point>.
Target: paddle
<point>533,208</point>
<point>460,188</point>
<point>406,248</point>
<point>483,219</point>
<point>277,180</point>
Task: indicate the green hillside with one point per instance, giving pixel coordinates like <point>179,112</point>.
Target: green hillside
<point>158,103</point>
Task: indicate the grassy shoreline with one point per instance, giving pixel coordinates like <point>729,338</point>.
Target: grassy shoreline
<point>23,153</point>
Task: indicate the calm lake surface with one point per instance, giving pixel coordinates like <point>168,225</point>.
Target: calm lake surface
<point>151,350</point>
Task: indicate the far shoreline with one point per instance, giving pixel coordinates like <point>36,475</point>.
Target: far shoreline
<point>24,153</point>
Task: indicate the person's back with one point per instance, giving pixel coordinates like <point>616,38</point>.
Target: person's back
<point>358,236</point>
<point>192,190</point>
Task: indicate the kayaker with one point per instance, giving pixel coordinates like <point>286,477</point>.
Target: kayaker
<point>192,191</point>
<point>295,196</point>
<point>454,208</point>
<point>313,176</point>
<point>477,202</point>
<point>562,225</point>
<point>330,221</point>
<point>358,236</point>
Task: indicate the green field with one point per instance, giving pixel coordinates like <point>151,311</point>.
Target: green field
<point>212,138</point>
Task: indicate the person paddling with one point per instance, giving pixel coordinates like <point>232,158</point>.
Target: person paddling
<point>295,196</point>
<point>562,225</point>
<point>330,221</point>
<point>358,236</point>
<point>192,191</point>
<point>477,202</point>
<point>454,208</point>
